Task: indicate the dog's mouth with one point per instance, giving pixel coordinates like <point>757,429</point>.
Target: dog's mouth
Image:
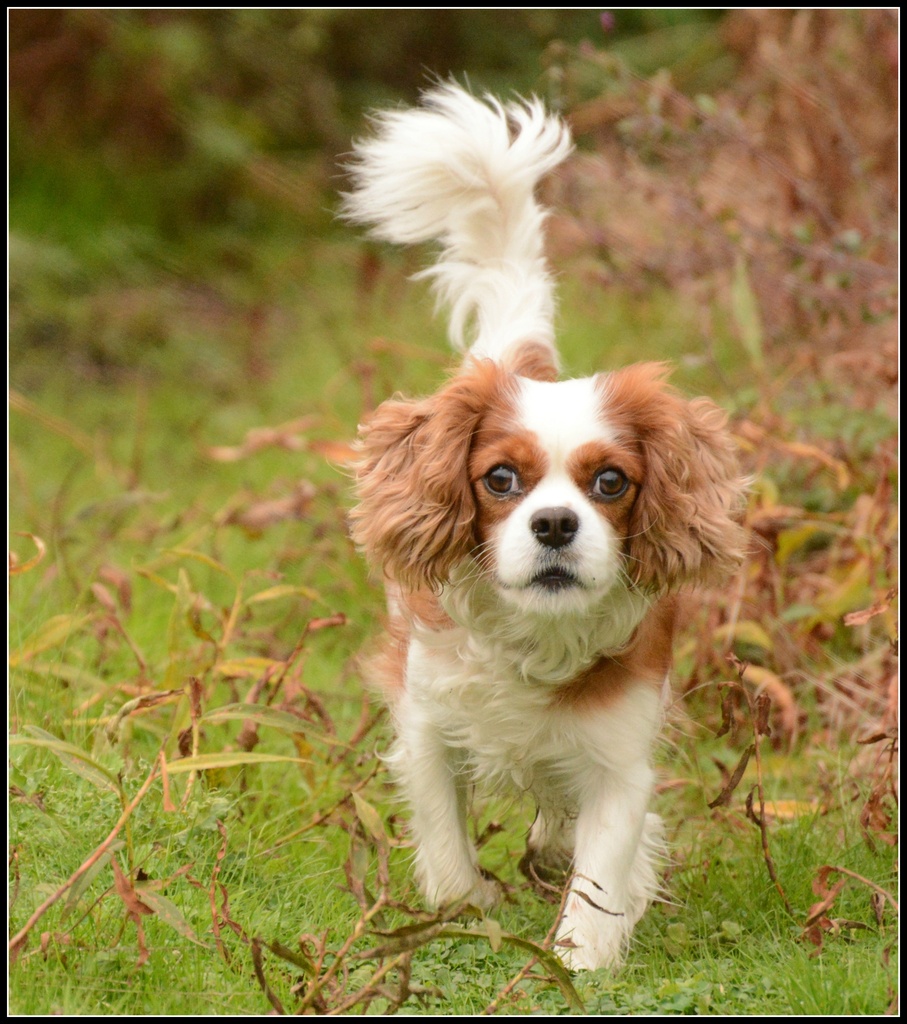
<point>554,579</point>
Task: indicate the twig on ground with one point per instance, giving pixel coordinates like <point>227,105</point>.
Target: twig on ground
<point>17,942</point>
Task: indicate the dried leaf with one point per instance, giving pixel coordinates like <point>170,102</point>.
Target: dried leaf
<point>724,797</point>
<point>252,666</point>
<point>371,819</point>
<point>790,810</point>
<point>495,934</point>
<point>727,711</point>
<point>287,435</point>
<point>876,818</point>
<point>820,884</point>
<point>341,453</point>
<point>770,684</point>
<point>763,706</point>
<point>120,580</point>
<point>299,959</point>
<point>258,964</point>
<point>751,814</point>
<point>104,597</point>
<point>328,622</point>
<point>15,568</point>
<point>860,618</point>
<point>746,631</point>
<point>283,590</point>
<point>259,515</point>
<point>200,556</point>
<point>135,908</point>
<point>147,700</point>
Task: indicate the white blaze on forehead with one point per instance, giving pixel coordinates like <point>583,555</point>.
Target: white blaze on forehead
<point>563,415</point>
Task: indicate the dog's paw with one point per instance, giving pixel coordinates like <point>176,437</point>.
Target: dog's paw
<point>482,891</point>
<point>583,958</point>
<point>592,936</point>
<point>486,893</point>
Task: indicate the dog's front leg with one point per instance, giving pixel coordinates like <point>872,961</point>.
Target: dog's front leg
<point>435,786</point>
<point>614,868</point>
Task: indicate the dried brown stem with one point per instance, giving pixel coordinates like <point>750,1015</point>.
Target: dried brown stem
<point>18,940</point>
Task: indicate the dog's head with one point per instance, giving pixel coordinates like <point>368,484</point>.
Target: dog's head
<point>555,492</point>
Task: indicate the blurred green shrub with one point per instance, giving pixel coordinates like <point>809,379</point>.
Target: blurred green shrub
<point>164,81</point>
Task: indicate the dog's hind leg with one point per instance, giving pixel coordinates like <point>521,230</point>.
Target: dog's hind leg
<point>549,846</point>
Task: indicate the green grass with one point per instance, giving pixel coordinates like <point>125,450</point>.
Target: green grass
<point>128,376</point>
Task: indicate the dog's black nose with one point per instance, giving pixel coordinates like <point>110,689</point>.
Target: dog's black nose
<point>554,527</point>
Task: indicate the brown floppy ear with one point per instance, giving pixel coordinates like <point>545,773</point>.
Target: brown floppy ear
<point>416,513</point>
<point>683,528</point>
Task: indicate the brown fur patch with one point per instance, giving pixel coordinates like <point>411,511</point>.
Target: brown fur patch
<point>385,667</point>
<point>683,526</point>
<point>646,660</point>
<point>416,516</point>
<point>500,443</point>
<point>424,607</point>
<point>535,360</point>
<point>588,460</point>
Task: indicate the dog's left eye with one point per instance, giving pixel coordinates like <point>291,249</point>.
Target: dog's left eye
<point>502,480</point>
<point>610,484</point>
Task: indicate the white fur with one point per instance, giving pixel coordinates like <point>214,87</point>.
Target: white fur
<point>469,714</point>
<point>477,701</point>
<point>463,172</point>
<point>564,414</point>
<point>544,644</point>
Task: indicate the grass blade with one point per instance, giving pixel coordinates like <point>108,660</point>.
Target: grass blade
<point>53,633</point>
<point>228,759</point>
<point>72,756</point>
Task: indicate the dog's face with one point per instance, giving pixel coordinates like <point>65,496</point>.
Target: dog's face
<point>554,492</point>
<point>554,489</point>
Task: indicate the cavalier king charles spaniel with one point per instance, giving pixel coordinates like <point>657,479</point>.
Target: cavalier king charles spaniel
<point>532,532</point>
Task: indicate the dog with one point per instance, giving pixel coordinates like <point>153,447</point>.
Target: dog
<point>533,533</point>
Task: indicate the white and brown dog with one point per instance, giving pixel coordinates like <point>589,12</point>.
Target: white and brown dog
<point>532,531</point>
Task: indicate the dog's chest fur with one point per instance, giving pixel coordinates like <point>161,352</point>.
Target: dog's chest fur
<point>514,731</point>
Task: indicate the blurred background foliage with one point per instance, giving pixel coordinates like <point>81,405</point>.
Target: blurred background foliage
<point>147,143</point>
<point>129,130</point>
<point>160,83</point>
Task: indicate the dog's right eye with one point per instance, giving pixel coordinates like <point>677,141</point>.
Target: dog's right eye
<point>502,480</point>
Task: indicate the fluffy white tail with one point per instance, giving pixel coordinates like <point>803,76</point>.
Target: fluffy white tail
<point>463,172</point>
